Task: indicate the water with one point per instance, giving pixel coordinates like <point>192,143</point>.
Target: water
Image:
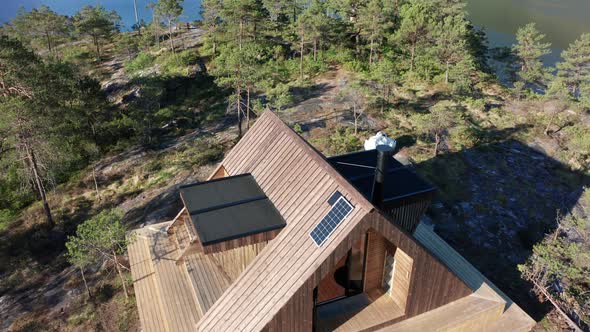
<point>562,21</point>
<point>124,8</point>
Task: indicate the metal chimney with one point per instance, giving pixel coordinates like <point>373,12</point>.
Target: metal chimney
<point>384,155</point>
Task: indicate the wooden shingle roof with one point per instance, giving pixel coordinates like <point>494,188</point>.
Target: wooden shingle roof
<point>299,181</point>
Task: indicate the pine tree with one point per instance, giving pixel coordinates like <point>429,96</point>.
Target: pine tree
<point>529,49</point>
<point>451,42</point>
<point>416,22</point>
<point>98,24</point>
<point>170,10</point>
<point>238,68</point>
<point>41,27</point>
<point>575,67</point>
<point>97,240</point>
<point>373,23</point>
<point>47,116</point>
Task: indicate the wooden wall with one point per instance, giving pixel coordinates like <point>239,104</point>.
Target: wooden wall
<point>234,261</point>
<point>402,275</point>
<point>374,263</point>
<point>220,172</point>
<point>242,241</point>
<point>297,314</point>
<point>431,284</point>
<point>407,212</point>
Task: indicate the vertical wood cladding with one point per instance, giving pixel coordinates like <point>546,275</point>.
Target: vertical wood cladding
<point>407,212</point>
<point>263,237</point>
<point>430,286</point>
<point>297,314</point>
<point>234,261</point>
<point>374,263</point>
<point>402,276</point>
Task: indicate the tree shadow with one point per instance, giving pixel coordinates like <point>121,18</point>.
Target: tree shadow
<point>496,201</point>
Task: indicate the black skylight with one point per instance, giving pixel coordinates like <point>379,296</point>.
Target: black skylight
<point>359,169</point>
<point>230,208</point>
<point>341,208</point>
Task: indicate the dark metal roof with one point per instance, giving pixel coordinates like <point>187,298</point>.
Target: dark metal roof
<point>229,208</point>
<point>359,169</point>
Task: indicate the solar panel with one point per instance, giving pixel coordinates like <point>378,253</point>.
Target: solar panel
<point>340,210</point>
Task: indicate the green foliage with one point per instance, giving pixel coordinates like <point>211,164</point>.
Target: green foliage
<point>202,152</point>
<point>140,62</point>
<point>529,49</point>
<point>574,70</point>
<point>436,123</point>
<point>42,28</point>
<point>97,239</point>
<point>339,141</point>
<point>177,64</point>
<point>564,257</point>
<point>96,23</point>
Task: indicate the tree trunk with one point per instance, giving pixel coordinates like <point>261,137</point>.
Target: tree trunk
<point>238,102</point>
<point>550,123</point>
<point>371,52</point>
<point>97,46</point>
<point>447,73</point>
<point>355,120</point>
<point>301,57</point>
<point>315,49</point>
<point>214,48</point>
<point>85,284</point>
<point>120,275</point>
<point>248,108</point>
<point>241,34</point>
<point>170,33</point>
<point>37,178</point>
<point>413,52</point>
<point>48,41</point>
<point>136,17</point>
<point>436,144</point>
<point>96,184</point>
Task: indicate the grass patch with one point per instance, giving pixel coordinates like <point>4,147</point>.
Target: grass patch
<point>87,313</point>
<point>178,64</point>
<point>6,218</point>
<point>140,62</point>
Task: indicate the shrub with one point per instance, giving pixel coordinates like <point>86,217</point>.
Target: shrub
<point>201,152</point>
<point>140,62</point>
<point>342,140</point>
<point>178,64</point>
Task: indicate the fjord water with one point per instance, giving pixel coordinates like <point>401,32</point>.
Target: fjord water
<point>561,20</point>
<point>124,8</point>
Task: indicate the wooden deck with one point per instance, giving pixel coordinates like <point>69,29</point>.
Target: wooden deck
<point>171,296</point>
<point>363,311</point>
<point>144,281</point>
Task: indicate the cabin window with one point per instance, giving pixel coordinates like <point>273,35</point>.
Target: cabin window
<point>388,270</point>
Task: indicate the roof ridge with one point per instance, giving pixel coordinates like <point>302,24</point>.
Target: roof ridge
<point>320,159</point>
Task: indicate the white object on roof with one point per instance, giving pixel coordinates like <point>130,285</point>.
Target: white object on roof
<point>380,138</point>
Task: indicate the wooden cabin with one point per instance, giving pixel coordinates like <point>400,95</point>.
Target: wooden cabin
<point>281,238</point>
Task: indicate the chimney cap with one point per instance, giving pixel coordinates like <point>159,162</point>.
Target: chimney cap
<point>380,138</point>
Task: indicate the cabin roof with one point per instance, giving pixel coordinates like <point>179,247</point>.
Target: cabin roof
<point>300,182</point>
<point>229,208</point>
<point>359,169</point>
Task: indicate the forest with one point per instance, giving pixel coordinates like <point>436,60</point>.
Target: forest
<point>98,124</point>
